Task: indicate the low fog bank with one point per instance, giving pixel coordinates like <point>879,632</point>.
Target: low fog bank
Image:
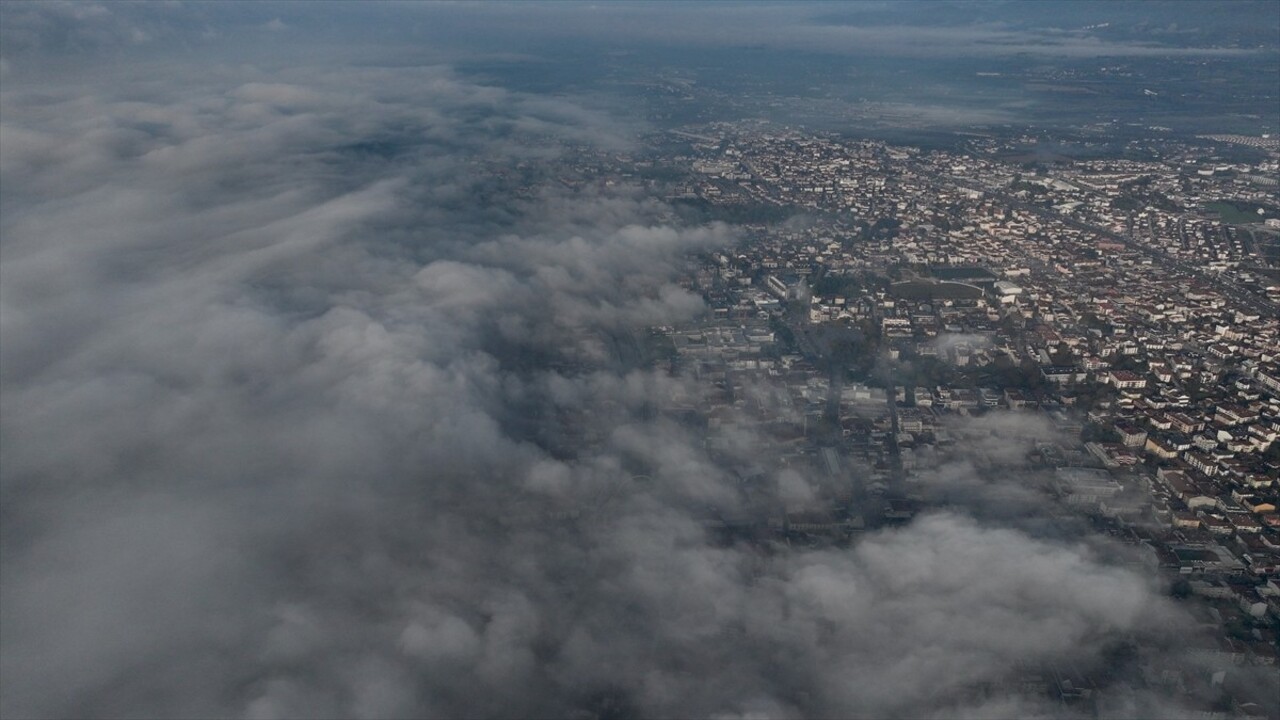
<point>305,414</point>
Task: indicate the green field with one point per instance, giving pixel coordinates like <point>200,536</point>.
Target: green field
<point>924,290</point>
<point>1235,215</point>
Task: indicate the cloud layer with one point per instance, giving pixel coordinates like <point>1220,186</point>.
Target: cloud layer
<point>306,414</point>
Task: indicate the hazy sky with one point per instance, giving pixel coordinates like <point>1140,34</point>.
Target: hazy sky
<point>267,397</point>
<point>1002,27</point>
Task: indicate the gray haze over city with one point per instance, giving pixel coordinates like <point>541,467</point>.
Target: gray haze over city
<point>489,360</point>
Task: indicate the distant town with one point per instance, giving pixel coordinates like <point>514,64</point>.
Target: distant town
<point>891,308</point>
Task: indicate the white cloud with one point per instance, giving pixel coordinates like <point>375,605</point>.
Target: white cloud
<point>282,428</point>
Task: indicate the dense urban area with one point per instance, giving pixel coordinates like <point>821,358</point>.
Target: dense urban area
<point>889,309</point>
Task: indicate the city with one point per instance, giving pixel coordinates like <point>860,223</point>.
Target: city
<point>1112,325</point>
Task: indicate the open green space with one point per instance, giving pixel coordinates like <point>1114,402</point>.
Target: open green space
<point>1236,214</point>
<point>924,290</point>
